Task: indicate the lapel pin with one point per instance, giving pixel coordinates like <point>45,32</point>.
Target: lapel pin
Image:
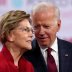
<point>66,54</point>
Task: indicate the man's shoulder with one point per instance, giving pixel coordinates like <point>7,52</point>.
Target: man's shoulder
<point>64,43</point>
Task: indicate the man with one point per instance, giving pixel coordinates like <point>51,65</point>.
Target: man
<point>46,23</point>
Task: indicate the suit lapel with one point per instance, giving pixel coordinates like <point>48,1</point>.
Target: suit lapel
<point>63,57</point>
<point>41,63</point>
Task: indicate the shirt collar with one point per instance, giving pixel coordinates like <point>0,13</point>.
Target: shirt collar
<point>43,50</point>
<point>55,45</point>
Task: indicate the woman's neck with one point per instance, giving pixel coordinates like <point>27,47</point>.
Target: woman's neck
<point>15,52</point>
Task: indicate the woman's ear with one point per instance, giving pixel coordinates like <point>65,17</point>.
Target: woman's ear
<point>10,37</point>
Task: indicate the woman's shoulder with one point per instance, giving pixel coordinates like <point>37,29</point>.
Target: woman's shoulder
<point>2,63</point>
<point>1,57</point>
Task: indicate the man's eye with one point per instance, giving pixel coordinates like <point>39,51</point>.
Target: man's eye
<point>36,27</point>
<point>47,27</point>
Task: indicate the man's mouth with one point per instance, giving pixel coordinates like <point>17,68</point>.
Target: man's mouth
<point>43,37</point>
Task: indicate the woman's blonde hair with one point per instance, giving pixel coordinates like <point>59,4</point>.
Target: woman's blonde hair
<point>9,21</point>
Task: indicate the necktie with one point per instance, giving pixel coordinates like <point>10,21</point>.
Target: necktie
<point>51,62</point>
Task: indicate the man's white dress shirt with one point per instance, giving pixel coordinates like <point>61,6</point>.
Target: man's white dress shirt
<point>54,53</point>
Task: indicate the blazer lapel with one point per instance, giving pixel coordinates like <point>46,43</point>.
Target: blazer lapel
<point>41,63</point>
<point>64,57</point>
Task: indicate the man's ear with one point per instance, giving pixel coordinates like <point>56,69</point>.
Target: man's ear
<point>59,24</point>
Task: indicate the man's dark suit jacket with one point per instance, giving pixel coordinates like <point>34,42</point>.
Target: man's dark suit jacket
<point>65,57</point>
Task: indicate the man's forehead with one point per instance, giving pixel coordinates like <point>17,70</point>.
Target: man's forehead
<point>44,15</point>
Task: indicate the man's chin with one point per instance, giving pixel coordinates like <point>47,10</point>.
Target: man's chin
<point>43,45</point>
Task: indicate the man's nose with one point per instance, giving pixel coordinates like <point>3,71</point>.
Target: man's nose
<point>42,31</point>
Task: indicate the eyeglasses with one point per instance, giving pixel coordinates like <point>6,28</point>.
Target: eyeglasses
<point>26,29</point>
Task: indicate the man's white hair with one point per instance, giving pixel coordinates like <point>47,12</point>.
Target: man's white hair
<point>44,6</point>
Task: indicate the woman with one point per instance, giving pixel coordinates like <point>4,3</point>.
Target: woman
<point>16,37</point>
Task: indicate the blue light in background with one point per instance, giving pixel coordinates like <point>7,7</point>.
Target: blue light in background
<point>17,3</point>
